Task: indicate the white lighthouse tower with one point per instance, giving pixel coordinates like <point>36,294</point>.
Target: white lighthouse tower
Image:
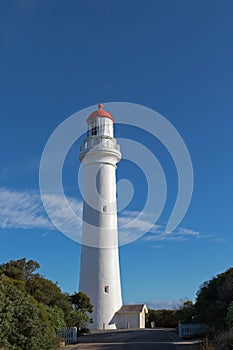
<point>99,272</point>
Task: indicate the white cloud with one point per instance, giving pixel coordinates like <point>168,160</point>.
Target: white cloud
<point>218,240</point>
<point>135,220</point>
<point>186,231</point>
<point>21,210</point>
<point>132,227</point>
<point>180,234</point>
<point>134,224</point>
<point>60,208</point>
<point>165,237</point>
<point>24,210</point>
<point>164,304</point>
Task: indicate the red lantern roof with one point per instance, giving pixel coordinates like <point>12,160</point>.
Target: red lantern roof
<point>100,113</point>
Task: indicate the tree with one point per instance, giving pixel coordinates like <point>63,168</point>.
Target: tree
<point>48,293</point>
<point>20,325</point>
<point>78,319</point>
<point>56,316</point>
<point>19,269</point>
<point>162,318</point>
<point>32,307</point>
<point>186,312</point>
<point>229,317</point>
<point>81,304</point>
<point>81,301</point>
<point>214,298</point>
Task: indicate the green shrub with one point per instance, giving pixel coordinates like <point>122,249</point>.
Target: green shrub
<point>21,327</point>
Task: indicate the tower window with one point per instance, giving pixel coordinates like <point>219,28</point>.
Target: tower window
<point>106,289</point>
<point>94,131</point>
<point>105,208</point>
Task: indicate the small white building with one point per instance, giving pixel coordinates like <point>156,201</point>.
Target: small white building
<point>131,316</point>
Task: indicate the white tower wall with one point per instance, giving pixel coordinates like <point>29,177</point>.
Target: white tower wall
<point>99,272</point>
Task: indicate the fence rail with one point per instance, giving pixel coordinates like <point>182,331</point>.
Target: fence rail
<point>68,334</point>
<point>192,329</point>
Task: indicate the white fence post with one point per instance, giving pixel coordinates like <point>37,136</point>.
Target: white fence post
<point>68,334</point>
<point>180,330</point>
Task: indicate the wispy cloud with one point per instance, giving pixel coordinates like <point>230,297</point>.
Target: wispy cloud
<point>187,232</point>
<point>161,304</point>
<point>130,226</point>
<point>164,304</point>
<point>136,220</point>
<point>164,237</point>
<point>24,210</point>
<point>134,224</point>
<point>218,240</point>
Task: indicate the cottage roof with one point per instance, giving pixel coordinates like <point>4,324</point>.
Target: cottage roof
<point>137,308</point>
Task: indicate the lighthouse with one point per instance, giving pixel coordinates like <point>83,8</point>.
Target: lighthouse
<point>99,268</point>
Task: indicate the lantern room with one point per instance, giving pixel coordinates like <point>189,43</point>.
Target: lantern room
<point>100,123</point>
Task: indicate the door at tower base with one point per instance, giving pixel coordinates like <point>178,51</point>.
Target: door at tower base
<point>131,316</point>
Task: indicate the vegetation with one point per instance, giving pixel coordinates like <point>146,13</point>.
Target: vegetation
<point>81,301</point>
<point>186,312</point>
<point>171,318</point>
<point>33,307</point>
<point>162,318</point>
<point>21,325</point>
<point>229,317</point>
<point>220,341</point>
<point>214,300</point>
<point>78,319</point>
<point>81,305</point>
<point>213,306</point>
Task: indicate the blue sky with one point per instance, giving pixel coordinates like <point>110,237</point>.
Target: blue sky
<point>175,57</point>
